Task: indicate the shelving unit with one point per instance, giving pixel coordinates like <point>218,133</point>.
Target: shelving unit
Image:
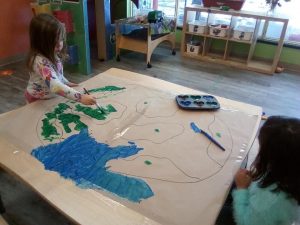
<point>223,54</point>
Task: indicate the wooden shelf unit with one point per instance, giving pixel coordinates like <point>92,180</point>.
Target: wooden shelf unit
<point>224,57</point>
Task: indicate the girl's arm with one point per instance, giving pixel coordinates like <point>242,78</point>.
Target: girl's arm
<point>55,85</point>
<point>244,213</point>
<point>49,75</point>
<point>242,210</point>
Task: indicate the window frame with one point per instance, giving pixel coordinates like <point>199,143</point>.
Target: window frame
<point>261,38</point>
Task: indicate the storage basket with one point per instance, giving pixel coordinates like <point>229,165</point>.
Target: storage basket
<point>243,33</point>
<point>193,47</point>
<point>218,30</point>
<point>233,4</point>
<point>197,27</point>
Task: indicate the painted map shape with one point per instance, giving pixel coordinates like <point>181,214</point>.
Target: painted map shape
<point>82,159</point>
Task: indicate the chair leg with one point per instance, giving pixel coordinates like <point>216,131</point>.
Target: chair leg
<point>2,209</point>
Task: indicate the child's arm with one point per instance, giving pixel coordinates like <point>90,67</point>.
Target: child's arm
<point>56,86</point>
<point>244,212</point>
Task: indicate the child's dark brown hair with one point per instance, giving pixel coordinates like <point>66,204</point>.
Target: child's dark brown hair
<point>44,32</point>
<point>278,159</point>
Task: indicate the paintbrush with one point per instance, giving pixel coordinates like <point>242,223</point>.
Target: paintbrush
<point>198,130</point>
<point>99,107</point>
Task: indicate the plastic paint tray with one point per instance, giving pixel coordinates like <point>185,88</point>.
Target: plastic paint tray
<point>202,102</point>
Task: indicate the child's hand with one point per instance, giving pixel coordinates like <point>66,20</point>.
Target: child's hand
<point>242,179</point>
<point>70,84</point>
<point>87,100</point>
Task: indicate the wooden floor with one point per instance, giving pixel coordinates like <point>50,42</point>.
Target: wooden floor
<point>278,95</point>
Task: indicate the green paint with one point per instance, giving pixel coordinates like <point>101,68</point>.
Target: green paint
<point>61,107</point>
<point>218,134</point>
<point>110,108</point>
<point>94,113</point>
<point>48,131</point>
<point>156,130</point>
<point>147,162</point>
<point>106,88</point>
<point>99,114</point>
<point>66,119</point>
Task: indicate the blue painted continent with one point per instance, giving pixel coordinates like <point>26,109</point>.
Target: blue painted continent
<point>82,159</point>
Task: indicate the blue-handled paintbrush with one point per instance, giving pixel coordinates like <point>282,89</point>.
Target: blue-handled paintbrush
<point>198,130</point>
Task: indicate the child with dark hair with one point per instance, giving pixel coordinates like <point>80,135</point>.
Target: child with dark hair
<point>269,194</point>
<point>47,50</point>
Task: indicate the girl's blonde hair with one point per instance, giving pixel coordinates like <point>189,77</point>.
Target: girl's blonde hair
<point>45,31</point>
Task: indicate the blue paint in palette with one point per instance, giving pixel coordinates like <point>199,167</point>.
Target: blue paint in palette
<point>197,102</point>
<point>83,159</point>
<point>186,103</point>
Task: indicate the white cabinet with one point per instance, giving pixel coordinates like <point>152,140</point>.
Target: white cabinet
<point>229,37</point>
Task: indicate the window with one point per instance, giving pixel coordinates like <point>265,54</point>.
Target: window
<point>268,31</point>
<point>167,6</point>
<point>271,31</point>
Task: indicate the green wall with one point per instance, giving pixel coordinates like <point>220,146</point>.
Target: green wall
<point>80,36</point>
<point>118,9</point>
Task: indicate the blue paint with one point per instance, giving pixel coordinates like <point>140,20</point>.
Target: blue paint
<point>195,128</point>
<point>208,97</point>
<point>82,159</point>
<point>186,103</point>
<point>198,130</point>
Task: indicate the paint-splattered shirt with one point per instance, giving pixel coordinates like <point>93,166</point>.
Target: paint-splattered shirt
<point>46,81</point>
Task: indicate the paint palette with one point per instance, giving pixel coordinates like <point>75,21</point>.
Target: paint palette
<point>202,102</point>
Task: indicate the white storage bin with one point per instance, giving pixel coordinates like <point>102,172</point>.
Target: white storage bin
<point>243,33</point>
<point>218,30</point>
<point>193,48</point>
<point>197,27</point>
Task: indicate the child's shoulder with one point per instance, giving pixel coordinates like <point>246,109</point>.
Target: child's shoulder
<point>42,60</point>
